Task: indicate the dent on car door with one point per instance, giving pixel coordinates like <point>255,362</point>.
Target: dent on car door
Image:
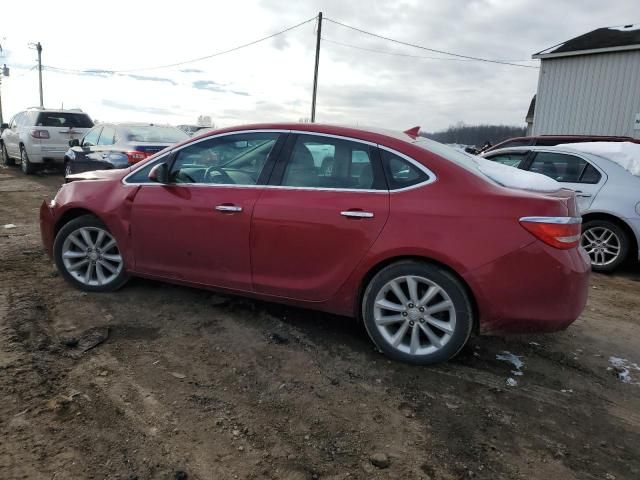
<point>196,228</point>
<point>324,208</point>
<point>572,172</point>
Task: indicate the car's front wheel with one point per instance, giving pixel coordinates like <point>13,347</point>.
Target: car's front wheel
<point>606,243</point>
<point>28,168</point>
<point>87,255</point>
<point>68,170</point>
<point>417,312</point>
<point>6,159</point>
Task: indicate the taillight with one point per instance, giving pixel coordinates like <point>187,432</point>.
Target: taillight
<point>36,133</point>
<point>559,232</point>
<point>135,157</point>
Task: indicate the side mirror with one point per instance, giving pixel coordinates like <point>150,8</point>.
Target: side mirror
<point>4,125</point>
<point>74,142</point>
<point>159,173</point>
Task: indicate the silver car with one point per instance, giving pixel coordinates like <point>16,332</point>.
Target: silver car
<point>607,194</point>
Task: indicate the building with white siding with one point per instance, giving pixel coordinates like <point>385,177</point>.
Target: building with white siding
<point>590,85</point>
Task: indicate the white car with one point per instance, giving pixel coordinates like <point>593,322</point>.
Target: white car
<point>606,179</point>
<point>38,137</point>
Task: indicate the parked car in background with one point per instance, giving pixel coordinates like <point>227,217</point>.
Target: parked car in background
<point>608,195</point>
<point>552,140</point>
<point>413,237</point>
<point>39,137</point>
<point>118,145</point>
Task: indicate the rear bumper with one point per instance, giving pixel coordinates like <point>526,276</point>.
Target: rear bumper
<point>92,165</point>
<point>535,289</point>
<point>45,154</point>
<point>47,228</point>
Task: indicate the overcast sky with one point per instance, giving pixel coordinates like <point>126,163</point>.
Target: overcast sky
<point>272,80</point>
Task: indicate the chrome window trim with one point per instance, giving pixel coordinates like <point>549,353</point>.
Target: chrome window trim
<point>555,220</point>
<point>331,135</point>
<point>431,176</point>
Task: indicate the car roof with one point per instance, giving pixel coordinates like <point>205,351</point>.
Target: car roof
<point>371,134</point>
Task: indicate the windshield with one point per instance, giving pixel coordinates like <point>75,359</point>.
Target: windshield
<point>155,134</point>
<point>64,119</point>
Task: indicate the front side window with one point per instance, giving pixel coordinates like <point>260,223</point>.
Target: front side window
<point>559,166</point>
<point>325,162</point>
<point>400,172</point>
<point>91,138</point>
<point>107,136</point>
<point>230,160</point>
<point>512,159</point>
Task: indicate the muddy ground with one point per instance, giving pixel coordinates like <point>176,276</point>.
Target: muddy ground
<point>191,384</point>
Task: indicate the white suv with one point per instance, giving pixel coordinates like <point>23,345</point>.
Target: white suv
<point>38,137</point>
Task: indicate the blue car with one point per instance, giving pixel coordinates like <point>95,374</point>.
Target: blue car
<point>118,145</point>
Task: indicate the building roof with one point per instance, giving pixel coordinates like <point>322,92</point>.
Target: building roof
<point>601,40</point>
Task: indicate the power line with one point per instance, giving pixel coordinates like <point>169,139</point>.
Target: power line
<point>185,62</point>
<point>442,52</point>
<point>397,54</point>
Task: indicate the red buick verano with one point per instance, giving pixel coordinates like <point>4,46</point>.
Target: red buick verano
<point>402,232</point>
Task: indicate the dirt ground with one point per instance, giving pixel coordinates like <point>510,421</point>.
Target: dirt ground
<point>194,385</point>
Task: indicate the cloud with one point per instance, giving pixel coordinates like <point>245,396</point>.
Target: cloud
<point>150,79</point>
<point>137,108</point>
<point>191,70</point>
<point>208,85</point>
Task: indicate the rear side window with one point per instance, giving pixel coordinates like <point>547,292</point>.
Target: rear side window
<point>64,120</point>
<point>590,175</point>
<point>400,172</point>
<point>559,166</point>
<point>155,134</point>
<point>326,162</point>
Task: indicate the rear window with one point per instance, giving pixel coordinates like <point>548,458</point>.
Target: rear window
<point>155,134</point>
<point>64,119</point>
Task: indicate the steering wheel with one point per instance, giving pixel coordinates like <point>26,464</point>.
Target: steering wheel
<point>182,177</point>
<point>225,175</point>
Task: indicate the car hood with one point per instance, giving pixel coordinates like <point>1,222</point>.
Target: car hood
<point>99,175</point>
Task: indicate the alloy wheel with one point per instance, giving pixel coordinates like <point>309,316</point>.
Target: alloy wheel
<point>414,315</point>
<point>91,256</point>
<point>602,245</point>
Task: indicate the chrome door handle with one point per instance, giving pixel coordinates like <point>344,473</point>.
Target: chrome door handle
<point>228,208</point>
<point>356,214</point>
<point>582,194</point>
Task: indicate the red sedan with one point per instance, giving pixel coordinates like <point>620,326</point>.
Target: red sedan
<point>405,233</point>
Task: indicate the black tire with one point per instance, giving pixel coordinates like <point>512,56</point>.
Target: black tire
<point>6,159</point>
<point>597,226</point>
<point>89,221</point>
<point>27,167</point>
<point>441,278</point>
<point>68,169</point>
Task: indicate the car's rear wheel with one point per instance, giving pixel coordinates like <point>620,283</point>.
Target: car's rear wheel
<point>87,255</point>
<point>606,244</point>
<point>28,168</point>
<point>6,159</point>
<point>418,313</point>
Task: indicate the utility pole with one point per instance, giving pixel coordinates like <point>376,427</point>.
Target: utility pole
<point>39,48</point>
<point>315,72</point>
